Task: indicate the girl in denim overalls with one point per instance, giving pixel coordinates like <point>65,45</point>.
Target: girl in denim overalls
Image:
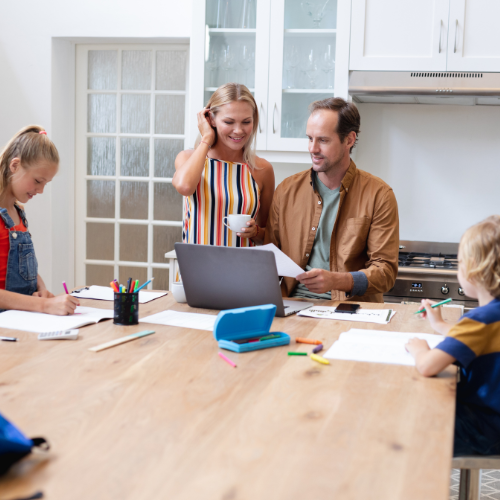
<point>28,162</point>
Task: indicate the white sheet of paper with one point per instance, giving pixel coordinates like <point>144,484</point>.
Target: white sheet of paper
<point>378,316</point>
<point>40,323</point>
<point>378,346</point>
<point>285,265</point>
<point>107,293</point>
<point>184,320</point>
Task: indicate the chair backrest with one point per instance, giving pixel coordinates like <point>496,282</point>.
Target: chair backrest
<point>476,462</point>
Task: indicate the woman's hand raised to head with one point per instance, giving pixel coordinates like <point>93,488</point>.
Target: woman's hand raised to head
<point>206,130</point>
<point>250,231</point>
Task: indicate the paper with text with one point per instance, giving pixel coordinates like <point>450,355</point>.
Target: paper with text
<point>107,293</point>
<point>41,323</point>
<point>378,346</point>
<point>379,316</point>
<point>183,320</point>
<point>285,265</point>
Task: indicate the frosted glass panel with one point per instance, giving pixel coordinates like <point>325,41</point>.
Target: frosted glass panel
<point>230,59</point>
<point>166,150</point>
<point>231,14</point>
<point>164,238</point>
<point>169,114</point>
<point>134,157</point>
<point>161,278</point>
<point>167,202</point>
<point>135,113</point>
<point>136,69</point>
<point>309,62</point>
<point>101,113</point>
<point>100,241</point>
<point>296,113</point>
<point>133,243</point>
<point>101,199</point>
<point>310,14</point>
<point>99,275</point>
<point>171,70</point>
<point>101,156</point>
<point>103,69</point>
<point>134,200</point>
<point>136,273</point>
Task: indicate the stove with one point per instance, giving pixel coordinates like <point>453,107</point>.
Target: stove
<point>428,270</point>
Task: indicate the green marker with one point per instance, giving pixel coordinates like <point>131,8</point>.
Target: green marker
<point>269,337</point>
<point>434,305</point>
<point>294,353</point>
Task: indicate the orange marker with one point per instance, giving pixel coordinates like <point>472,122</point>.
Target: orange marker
<point>308,341</point>
<point>113,286</point>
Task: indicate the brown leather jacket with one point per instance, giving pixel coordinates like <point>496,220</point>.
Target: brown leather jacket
<point>365,236</point>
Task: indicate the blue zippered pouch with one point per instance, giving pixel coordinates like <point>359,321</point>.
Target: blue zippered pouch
<point>235,327</point>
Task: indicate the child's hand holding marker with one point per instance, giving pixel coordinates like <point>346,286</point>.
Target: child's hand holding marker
<point>432,311</point>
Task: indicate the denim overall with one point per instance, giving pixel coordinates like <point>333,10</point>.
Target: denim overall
<point>22,266</point>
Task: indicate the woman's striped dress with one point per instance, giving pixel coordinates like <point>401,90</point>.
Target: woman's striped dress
<point>224,188</point>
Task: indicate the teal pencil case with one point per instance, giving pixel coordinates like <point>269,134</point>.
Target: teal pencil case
<point>243,329</point>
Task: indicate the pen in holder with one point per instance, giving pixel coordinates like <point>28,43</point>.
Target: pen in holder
<point>126,309</point>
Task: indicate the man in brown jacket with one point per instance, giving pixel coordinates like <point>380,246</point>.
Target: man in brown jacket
<point>338,223</point>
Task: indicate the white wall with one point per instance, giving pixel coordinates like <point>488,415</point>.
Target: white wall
<point>36,85</point>
<point>443,163</point>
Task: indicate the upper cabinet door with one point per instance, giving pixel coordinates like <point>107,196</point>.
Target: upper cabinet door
<point>474,36</point>
<point>395,35</point>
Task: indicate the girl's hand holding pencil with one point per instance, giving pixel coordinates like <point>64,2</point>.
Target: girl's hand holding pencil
<point>433,313</point>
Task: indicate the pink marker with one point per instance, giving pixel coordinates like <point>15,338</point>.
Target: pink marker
<point>227,360</point>
<point>65,288</point>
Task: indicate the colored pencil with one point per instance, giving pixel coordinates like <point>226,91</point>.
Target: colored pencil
<point>145,284</point>
<point>227,360</point>
<point>65,287</point>
<point>320,359</point>
<point>121,340</point>
<point>307,341</point>
<point>433,305</point>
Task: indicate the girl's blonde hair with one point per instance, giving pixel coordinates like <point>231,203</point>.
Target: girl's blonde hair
<point>226,94</point>
<point>29,146</point>
<point>480,254</point>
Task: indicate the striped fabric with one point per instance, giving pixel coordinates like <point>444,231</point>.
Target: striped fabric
<point>224,188</point>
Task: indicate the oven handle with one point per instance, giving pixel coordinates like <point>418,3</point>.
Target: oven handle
<point>428,271</point>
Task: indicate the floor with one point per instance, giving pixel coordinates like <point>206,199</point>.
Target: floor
<point>490,484</point>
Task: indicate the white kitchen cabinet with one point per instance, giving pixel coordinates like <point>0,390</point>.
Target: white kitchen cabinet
<point>474,36</point>
<point>395,35</point>
<point>289,53</point>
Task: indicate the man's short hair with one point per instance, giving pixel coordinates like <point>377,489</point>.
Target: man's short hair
<point>349,119</point>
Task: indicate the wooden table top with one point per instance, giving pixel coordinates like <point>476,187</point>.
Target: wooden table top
<point>164,417</point>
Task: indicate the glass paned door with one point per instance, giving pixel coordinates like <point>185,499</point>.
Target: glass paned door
<point>131,107</point>
<point>302,67</point>
<point>236,43</point>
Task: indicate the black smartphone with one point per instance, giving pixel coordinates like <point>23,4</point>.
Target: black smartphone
<point>347,307</point>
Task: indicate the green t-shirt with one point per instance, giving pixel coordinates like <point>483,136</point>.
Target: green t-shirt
<point>320,253</point>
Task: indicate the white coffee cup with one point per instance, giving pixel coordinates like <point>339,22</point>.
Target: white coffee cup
<point>178,291</point>
<point>236,222</point>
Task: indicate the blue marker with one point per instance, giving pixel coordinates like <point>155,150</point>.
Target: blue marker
<point>145,284</point>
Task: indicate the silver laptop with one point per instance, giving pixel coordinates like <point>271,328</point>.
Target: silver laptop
<point>228,278</point>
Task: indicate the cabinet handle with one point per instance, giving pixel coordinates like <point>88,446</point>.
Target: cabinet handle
<point>456,31</point>
<point>440,34</point>
<point>274,114</point>
<point>260,114</point>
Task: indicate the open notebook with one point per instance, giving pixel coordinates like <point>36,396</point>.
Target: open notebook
<point>40,323</point>
<point>378,346</point>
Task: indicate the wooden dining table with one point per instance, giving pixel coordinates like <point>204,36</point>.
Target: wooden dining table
<point>164,417</point>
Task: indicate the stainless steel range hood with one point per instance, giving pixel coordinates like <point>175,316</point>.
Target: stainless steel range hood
<point>399,87</point>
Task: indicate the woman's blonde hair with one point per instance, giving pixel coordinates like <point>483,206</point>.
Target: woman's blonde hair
<point>29,146</point>
<point>226,94</point>
<point>480,254</point>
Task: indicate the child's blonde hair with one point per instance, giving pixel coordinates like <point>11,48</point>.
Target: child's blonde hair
<point>226,94</point>
<point>29,146</point>
<point>480,254</point>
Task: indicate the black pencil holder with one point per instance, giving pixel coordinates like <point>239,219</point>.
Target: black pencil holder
<point>126,309</point>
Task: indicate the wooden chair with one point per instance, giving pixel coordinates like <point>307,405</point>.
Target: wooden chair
<point>470,474</point>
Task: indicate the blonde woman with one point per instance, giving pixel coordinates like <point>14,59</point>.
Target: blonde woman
<point>222,175</point>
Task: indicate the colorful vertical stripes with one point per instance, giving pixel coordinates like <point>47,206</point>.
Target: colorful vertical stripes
<point>224,188</point>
